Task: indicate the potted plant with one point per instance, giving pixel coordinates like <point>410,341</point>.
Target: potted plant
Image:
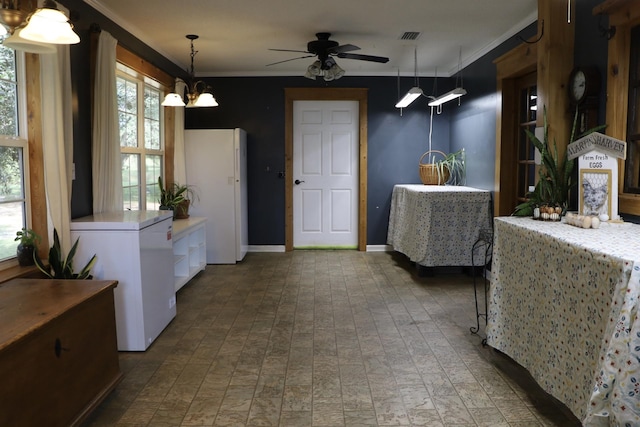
<point>61,267</point>
<point>26,248</point>
<point>451,169</point>
<point>555,174</point>
<point>176,197</point>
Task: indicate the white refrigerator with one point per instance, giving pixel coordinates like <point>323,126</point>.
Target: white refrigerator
<point>216,165</point>
<point>134,248</point>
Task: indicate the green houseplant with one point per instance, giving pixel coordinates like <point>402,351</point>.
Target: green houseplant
<point>451,169</point>
<point>61,267</point>
<point>555,174</point>
<point>29,240</point>
<point>176,197</point>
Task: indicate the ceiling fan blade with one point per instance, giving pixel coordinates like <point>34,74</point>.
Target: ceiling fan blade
<point>343,48</point>
<point>291,59</point>
<point>289,50</point>
<point>371,58</point>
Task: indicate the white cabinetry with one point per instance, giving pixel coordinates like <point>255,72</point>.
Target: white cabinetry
<point>189,249</point>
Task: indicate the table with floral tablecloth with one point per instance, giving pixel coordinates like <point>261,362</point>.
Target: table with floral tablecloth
<point>437,225</point>
<point>563,303</point>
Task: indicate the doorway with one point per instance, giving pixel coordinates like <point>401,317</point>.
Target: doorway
<point>325,174</point>
<point>326,94</point>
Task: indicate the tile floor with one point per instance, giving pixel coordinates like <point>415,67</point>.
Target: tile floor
<point>325,338</point>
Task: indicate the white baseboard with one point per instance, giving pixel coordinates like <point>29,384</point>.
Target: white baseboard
<point>280,248</point>
<point>379,248</point>
<point>266,248</point>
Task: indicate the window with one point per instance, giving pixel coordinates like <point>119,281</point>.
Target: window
<point>14,206</point>
<point>527,115</point>
<point>141,138</point>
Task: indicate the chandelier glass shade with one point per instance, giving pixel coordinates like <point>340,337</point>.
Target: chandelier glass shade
<point>195,97</point>
<point>32,32</point>
<point>328,69</point>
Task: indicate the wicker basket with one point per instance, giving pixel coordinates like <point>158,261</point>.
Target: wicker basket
<point>429,171</point>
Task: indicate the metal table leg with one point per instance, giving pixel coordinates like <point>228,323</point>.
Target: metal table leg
<point>484,242</point>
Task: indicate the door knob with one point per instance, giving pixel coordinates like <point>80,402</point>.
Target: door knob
<point>298,182</point>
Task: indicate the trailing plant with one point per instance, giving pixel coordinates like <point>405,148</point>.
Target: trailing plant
<point>455,163</point>
<point>61,267</point>
<point>27,237</point>
<point>451,169</point>
<point>555,174</point>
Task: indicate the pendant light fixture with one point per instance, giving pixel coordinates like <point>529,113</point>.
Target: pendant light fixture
<point>415,92</point>
<point>195,98</point>
<point>38,31</point>
<point>452,94</point>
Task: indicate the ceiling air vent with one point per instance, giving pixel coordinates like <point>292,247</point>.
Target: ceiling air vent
<point>410,35</point>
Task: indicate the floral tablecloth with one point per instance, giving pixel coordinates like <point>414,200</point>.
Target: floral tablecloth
<point>437,225</point>
<point>563,303</point>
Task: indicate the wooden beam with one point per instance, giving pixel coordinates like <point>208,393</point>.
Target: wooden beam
<point>555,62</point>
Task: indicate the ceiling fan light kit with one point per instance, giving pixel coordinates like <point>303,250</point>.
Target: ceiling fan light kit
<point>325,50</point>
<point>44,26</point>
<point>195,98</point>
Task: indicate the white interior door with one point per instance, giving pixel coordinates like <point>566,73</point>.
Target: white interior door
<point>325,174</point>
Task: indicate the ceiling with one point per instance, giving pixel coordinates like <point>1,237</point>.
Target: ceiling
<point>236,35</point>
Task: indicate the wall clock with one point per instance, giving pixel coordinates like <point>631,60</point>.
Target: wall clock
<point>584,89</point>
<point>584,83</point>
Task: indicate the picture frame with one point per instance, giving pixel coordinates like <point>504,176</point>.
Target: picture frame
<point>595,192</point>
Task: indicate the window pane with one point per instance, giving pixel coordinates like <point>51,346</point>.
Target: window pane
<point>153,171</point>
<point>8,93</point>
<point>7,63</point>
<point>12,201</point>
<point>11,220</point>
<point>127,94</point>
<point>130,181</point>
<point>151,119</point>
<point>11,174</point>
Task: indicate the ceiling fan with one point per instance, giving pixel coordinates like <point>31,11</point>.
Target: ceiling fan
<point>325,50</point>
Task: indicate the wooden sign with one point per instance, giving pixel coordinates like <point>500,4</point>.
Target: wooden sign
<point>598,156</point>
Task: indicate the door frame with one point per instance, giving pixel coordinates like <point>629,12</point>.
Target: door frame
<point>509,67</point>
<point>326,94</point>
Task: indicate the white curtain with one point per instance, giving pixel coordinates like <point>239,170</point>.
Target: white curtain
<point>105,162</point>
<point>180,172</point>
<point>57,140</point>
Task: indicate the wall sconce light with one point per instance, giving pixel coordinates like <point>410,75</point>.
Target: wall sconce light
<point>195,98</point>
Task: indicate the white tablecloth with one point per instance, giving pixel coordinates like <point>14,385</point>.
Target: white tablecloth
<point>437,225</point>
<point>563,303</point>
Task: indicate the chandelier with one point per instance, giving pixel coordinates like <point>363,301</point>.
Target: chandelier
<point>203,98</point>
<point>36,31</point>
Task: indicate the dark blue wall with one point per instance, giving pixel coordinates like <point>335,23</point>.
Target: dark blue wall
<point>395,143</point>
<point>473,125</point>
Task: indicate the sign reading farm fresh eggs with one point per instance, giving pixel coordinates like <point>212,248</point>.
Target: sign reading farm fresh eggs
<point>598,173</point>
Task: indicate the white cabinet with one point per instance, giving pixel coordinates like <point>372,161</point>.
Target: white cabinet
<point>189,249</point>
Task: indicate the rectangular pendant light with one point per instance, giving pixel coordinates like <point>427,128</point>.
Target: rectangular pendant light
<point>411,96</point>
<point>455,93</point>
